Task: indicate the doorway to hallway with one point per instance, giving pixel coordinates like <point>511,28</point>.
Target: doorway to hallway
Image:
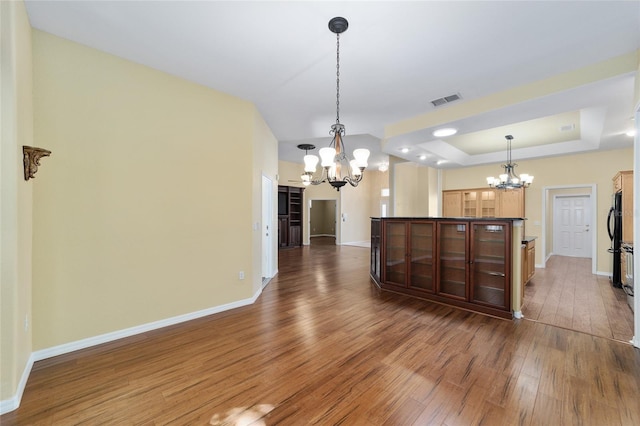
<point>322,222</point>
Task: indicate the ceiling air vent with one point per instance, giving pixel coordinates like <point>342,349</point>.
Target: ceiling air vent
<point>447,99</point>
<point>567,127</point>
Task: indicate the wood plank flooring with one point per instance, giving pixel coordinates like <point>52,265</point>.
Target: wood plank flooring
<point>322,346</point>
<point>566,294</point>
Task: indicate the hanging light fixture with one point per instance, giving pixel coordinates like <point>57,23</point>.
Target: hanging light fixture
<point>306,178</point>
<point>509,179</point>
<point>337,169</point>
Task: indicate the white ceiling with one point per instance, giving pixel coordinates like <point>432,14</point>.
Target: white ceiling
<point>395,58</point>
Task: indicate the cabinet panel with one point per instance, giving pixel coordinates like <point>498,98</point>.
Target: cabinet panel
<point>422,266</point>
<point>452,260</point>
<point>451,203</point>
<point>531,260</point>
<point>489,262</point>
<point>469,203</point>
<point>395,246</point>
<point>375,249</point>
<point>488,203</point>
<point>511,203</point>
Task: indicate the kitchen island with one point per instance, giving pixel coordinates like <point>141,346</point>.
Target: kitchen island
<point>471,263</point>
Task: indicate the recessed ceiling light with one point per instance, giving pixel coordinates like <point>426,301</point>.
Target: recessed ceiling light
<point>631,133</point>
<point>445,131</point>
<point>439,162</point>
<point>423,157</point>
<point>404,150</point>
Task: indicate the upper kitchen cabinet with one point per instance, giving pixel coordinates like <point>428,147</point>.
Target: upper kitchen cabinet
<point>483,202</point>
<point>452,203</point>
<point>511,202</point>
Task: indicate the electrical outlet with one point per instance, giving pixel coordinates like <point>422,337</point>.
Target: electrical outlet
<point>241,275</point>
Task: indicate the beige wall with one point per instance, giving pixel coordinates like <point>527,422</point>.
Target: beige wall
<point>412,189</point>
<point>146,209</point>
<point>16,206</point>
<point>596,168</point>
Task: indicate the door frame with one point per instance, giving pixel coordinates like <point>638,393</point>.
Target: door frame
<point>267,230</point>
<point>336,218</point>
<point>547,212</point>
<point>338,229</point>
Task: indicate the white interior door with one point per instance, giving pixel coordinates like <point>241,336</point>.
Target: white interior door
<point>267,231</point>
<point>572,225</point>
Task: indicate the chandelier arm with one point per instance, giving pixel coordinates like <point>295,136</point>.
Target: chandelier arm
<point>353,181</point>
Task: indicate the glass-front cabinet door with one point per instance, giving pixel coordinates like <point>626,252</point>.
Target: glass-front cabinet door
<point>490,264</point>
<point>452,258</point>
<point>422,266</point>
<point>395,261</point>
<point>488,203</point>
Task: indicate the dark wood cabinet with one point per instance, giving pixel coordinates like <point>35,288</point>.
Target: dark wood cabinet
<point>453,260</point>
<point>376,251</point>
<point>409,249</point>
<point>290,211</point>
<point>463,262</point>
<point>489,264</point>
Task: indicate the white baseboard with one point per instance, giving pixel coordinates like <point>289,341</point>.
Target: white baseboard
<point>12,403</point>
<point>358,243</point>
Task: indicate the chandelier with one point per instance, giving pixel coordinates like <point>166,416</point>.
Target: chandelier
<point>509,179</point>
<point>337,168</point>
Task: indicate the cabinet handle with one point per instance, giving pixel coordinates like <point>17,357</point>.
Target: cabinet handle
<point>496,274</point>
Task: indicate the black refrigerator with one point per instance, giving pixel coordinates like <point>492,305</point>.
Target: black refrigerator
<point>614,226</point>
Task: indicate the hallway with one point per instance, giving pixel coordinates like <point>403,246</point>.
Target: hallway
<point>566,294</point>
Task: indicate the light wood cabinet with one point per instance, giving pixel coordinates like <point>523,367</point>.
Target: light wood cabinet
<point>511,202</point>
<point>483,202</point>
<point>480,203</point>
<point>623,182</point>
<point>528,261</point>
<point>452,203</point>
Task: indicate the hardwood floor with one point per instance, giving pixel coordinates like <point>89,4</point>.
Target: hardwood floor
<point>322,345</point>
<point>566,294</point>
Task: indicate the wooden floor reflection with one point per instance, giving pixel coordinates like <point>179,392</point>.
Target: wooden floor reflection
<point>322,345</point>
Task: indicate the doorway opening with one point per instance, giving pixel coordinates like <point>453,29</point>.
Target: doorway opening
<point>322,222</point>
<point>552,226</point>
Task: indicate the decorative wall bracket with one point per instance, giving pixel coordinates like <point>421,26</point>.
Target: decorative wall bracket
<point>31,160</point>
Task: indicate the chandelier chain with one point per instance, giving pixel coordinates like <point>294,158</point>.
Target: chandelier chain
<point>338,78</point>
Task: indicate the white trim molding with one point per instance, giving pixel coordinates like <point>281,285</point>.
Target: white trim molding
<point>8,405</point>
